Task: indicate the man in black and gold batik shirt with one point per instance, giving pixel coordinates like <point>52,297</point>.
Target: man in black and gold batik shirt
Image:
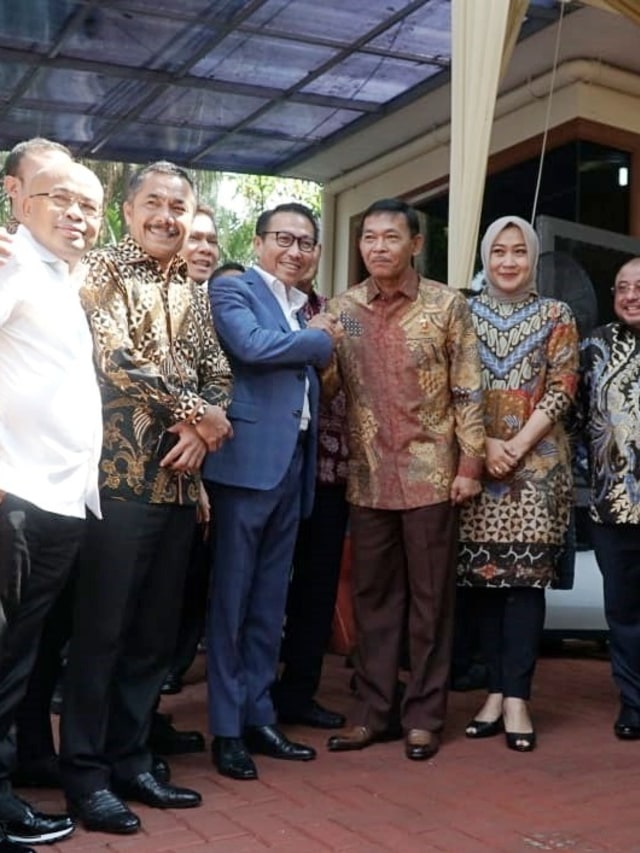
<point>610,390</point>
<point>164,385</point>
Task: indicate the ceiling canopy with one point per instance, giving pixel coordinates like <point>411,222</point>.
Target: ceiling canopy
<point>255,86</point>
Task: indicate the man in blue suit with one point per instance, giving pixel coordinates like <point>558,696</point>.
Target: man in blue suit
<point>261,482</point>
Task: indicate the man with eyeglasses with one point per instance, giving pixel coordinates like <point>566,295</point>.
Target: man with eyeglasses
<point>261,482</point>
<point>36,759</point>
<point>50,440</point>
<point>610,366</point>
<point>23,161</point>
<point>164,384</point>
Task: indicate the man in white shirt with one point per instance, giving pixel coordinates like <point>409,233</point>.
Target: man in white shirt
<point>50,440</point>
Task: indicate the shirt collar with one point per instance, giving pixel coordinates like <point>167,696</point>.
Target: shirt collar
<point>135,254</point>
<point>295,298</point>
<point>408,287</point>
<point>24,235</point>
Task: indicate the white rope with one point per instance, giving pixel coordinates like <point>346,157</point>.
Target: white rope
<point>548,116</point>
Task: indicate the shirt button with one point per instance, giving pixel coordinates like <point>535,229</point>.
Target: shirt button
<point>297,413</point>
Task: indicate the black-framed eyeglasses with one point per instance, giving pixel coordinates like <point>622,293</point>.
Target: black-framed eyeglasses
<point>285,239</point>
<point>63,200</point>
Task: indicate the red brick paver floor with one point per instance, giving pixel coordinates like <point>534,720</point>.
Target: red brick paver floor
<point>579,791</point>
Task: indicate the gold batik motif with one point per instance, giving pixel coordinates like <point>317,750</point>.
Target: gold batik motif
<point>158,362</point>
<point>409,367</point>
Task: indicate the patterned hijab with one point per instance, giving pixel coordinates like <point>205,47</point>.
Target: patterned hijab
<point>533,250</point>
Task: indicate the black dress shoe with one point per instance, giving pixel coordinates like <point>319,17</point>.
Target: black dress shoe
<point>313,715</point>
<point>145,788</point>
<point>626,731</point>
<point>167,740</point>
<point>160,768</point>
<point>102,811</point>
<point>25,825</point>
<point>269,740</point>
<point>7,846</point>
<point>230,756</point>
<point>38,773</point>
<point>172,684</point>
<point>627,726</point>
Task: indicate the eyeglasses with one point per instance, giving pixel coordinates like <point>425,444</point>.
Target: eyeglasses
<point>63,200</point>
<point>285,239</point>
<point>626,288</point>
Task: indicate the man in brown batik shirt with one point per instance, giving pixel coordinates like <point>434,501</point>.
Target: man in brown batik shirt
<point>409,366</point>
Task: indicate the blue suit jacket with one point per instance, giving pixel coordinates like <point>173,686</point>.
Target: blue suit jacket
<point>269,363</point>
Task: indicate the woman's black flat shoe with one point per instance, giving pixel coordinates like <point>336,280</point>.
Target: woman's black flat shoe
<point>480,728</point>
<point>521,742</point>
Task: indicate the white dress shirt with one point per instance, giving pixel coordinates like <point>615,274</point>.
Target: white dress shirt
<point>50,407</point>
<point>290,300</point>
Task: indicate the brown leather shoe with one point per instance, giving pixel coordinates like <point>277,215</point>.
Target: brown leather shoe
<point>419,744</point>
<point>357,737</point>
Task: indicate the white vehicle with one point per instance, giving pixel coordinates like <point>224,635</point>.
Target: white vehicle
<point>578,612</point>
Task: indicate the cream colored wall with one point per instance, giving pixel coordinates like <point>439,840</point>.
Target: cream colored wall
<point>583,89</point>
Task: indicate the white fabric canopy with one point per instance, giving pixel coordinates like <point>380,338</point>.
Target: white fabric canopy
<point>483,37</point>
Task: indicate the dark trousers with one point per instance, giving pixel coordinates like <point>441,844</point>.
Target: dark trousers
<point>617,548</point>
<point>403,561</point>
<point>311,599</point>
<point>255,538</point>
<point>193,615</point>
<point>34,735</point>
<point>37,552</point>
<point>510,623</point>
<point>130,579</point>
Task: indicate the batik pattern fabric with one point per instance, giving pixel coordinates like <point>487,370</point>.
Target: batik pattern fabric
<point>408,364</point>
<point>158,363</point>
<point>333,448</point>
<point>513,533</point>
<point>610,405</point>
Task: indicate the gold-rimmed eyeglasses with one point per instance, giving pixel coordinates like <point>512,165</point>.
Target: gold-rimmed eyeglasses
<point>63,200</point>
<point>626,288</point>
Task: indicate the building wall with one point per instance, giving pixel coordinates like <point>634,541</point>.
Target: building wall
<point>584,89</point>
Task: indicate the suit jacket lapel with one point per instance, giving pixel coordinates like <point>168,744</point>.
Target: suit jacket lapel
<point>268,299</point>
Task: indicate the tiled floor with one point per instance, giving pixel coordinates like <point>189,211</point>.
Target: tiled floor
<point>579,791</point>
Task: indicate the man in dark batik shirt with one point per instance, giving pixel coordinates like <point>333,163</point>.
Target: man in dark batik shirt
<point>163,379</point>
<point>611,403</point>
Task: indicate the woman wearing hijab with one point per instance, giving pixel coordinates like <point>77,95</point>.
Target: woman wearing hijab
<point>512,534</point>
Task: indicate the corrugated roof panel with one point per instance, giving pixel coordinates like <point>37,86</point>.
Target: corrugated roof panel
<point>372,78</point>
<point>266,60</point>
<point>233,84</point>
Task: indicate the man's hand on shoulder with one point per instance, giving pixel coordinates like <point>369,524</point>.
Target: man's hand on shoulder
<point>188,453</point>
<point>464,488</point>
<point>214,428</point>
